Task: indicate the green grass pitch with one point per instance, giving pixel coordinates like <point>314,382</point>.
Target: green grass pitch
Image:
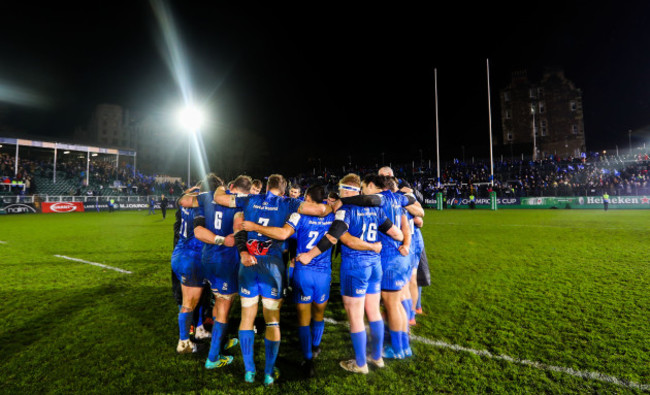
<point>521,301</point>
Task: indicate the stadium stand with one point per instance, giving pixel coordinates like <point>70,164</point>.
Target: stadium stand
<point>592,175</point>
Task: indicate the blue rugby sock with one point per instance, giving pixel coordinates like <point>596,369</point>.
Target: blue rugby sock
<point>396,342</point>
<point>317,329</point>
<point>411,309</point>
<point>376,338</point>
<point>406,303</point>
<point>246,341</point>
<point>359,345</point>
<point>272,350</point>
<point>218,330</point>
<point>304,333</point>
<point>406,341</point>
<point>184,323</point>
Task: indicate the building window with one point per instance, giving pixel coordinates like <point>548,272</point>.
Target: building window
<point>509,136</point>
<point>574,129</point>
<point>541,107</point>
<point>573,105</point>
<point>542,125</point>
<point>506,96</point>
<point>507,114</point>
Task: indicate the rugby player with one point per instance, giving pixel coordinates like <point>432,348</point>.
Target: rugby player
<point>215,226</point>
<point>361,270</point>
<point>256,188</point>
<point>186,264</point>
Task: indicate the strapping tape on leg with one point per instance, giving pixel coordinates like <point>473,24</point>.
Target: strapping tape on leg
<point>272,324</point>
<point>248,302</point>
<point>271,304</point>
<point>221,296</point>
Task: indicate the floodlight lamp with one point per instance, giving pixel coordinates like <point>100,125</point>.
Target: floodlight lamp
<point>191,118</point>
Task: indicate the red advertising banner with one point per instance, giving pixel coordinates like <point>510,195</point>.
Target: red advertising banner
<point>62,207</point>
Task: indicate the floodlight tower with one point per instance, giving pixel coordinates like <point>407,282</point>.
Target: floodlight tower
<point>191,119</point>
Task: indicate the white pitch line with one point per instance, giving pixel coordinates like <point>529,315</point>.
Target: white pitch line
<point>534,226</point>
<point>93,263</point>
<point>3,242</point>
<point>537,365</point>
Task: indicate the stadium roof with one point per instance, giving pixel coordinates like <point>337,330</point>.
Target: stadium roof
<point>64,146</point>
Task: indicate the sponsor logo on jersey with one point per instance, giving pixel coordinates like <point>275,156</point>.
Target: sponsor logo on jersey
<point>359,291</point>
<point>305,298</point>
<point>225,287</point>
<point>245,291</point>
<point>274,292</point>
<point>257,247</point>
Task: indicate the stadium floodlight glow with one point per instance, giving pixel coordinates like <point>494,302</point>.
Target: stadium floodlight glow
<point>191,118</point>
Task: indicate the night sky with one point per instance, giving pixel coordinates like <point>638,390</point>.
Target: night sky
<point>327,80</point>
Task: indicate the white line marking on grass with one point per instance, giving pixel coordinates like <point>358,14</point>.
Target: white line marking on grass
<point>533,226</point>
<point>3,242</point>
<point>537,365</point>
<point>93,263</point>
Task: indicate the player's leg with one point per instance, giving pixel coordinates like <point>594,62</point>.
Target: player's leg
<point>317,326</point>
<point>375,320</point>
<point>354,307</point>
<point>395,316</point>
<point>303,297</point>
<point>249,296</point>
<point>354,284</point>
<point>191,296</point>
<point>271,271</point>
<point>406,303</point>
<point>220,311</point>
<point>272,337</point>
<point>415,294</point>
<point>186,265</point>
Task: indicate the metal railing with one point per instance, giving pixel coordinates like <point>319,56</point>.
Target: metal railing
<point>82,199</point>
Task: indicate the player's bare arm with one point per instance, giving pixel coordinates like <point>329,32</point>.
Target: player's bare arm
<point>406,232</point>
<point>207,236</point>
<point>415,209</point>
<point>273,232</point>
<point>222,198</point>
<point>188,200</point>
<point>314,209</point>
<point>360,245</point>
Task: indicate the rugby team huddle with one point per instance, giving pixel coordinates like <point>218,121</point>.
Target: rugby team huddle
<point>233,237</point>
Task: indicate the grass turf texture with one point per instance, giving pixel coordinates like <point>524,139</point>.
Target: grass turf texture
<point>560,287</point>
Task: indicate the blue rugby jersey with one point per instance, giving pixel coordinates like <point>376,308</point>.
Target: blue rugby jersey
<point>363,223</point>
<point>393,204</point>
<point>219,220</point>
<point>186,231</point>
<point>267,210</point>
<point>308,231</point>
